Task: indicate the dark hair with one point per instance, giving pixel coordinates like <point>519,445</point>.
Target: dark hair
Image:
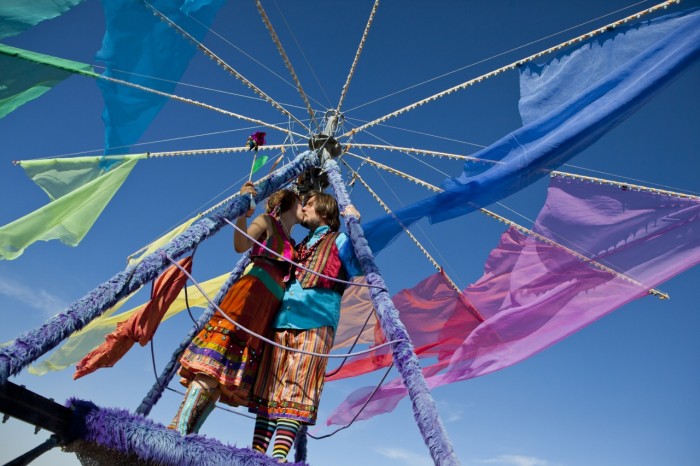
<point>327,208</point>
<point>281,201</point>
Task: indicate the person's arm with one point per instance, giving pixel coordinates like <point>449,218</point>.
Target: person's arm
<point>257,227</point>
<point>346,252</point>
<point>261,224</point>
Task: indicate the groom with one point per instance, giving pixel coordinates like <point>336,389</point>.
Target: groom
<point>289,384</point>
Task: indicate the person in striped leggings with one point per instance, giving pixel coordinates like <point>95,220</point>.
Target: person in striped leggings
<point>288,387</point>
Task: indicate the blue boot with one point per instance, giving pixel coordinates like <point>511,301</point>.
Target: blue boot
<point>194,409</point>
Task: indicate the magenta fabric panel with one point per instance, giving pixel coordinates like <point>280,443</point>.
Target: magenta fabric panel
<point>534,294</point>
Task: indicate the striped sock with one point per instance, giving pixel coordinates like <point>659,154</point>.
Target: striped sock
<point>264,429</point>
<point>286,433</point>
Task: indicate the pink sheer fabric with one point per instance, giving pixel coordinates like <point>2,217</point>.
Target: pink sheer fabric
<point>534,294</point>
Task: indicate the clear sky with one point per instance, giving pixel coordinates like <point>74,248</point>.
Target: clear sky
<point>623,391</point>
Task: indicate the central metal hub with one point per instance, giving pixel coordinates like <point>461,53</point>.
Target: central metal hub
<point>327,147</point>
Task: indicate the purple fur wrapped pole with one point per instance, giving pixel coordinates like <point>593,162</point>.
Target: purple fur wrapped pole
<point>32,344</point>
<point>424,409</point>
<point>121,435</point>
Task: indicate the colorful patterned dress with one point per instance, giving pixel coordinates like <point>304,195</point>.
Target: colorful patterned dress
<point>230,355</point>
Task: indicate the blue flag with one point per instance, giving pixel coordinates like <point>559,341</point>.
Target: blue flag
<point>583,111</point>
<point>140,44</point>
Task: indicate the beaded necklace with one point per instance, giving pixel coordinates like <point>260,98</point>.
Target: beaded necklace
<point>304,251</point>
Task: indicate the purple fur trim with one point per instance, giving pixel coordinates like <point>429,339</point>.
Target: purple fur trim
<point>424,410</point>
<point>32,344</point>
<point>131,434</point>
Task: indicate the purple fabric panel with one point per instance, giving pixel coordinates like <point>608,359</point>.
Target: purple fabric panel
<point>534,294</point>
<point>648,236</point>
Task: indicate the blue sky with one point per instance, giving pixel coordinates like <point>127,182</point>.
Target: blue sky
<point>622,391</point>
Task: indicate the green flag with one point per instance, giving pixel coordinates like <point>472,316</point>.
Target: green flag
<point>22,80</point>
<point>258,163</point>
<point>19,15</point>
<point>72,213</point>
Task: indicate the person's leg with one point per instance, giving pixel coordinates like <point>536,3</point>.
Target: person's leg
<point>287,430</point>
<point>199,401</point>
<point>262,435</point>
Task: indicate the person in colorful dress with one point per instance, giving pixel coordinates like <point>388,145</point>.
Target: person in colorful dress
<point>287,391</point>
<point>222,360</point>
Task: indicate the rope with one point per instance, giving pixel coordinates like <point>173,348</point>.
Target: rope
<point>598,265</point>
<point>413,150</point>
<point>295,264</point>
<point>396,172</point>
<point>362,408</point>
<point>174,97</point>
<point>35,452</point>
<point>145,143</point>
<point>484,60</point>
<point>220,150</point>
<point>633,187</point>
<point>266,340</point>
<point>287,63</point>
<point>600,172</point>
<point>354,343</point>
<point>357,55</point>
<point>410,235</point>
<point>253,59</point>
<point>511,66</point>
<point>196,86</point>
<point>423,133</point>
<point>217,406</point>
<point>301,50</point>
<point>222,63</point>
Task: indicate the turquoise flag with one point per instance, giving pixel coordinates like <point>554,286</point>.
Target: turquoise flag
<point>19,15</point>
<point>80,190</point>
<point>26,75</point>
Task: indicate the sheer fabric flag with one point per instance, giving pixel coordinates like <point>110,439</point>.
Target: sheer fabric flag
<point>22,81</point>
<point>136,257</point>
<point>258,163</point>
<point>81,343</point>
<point>436,318</point>
<point>357,320</point>
<point>141,326</point>
<point>534,294</point>
<point>78,198</point>
<point>162,54</point>
<point>19,15</point>
<point>583,116</point>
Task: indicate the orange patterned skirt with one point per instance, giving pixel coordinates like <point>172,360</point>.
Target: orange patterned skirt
<point>230,355</point>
